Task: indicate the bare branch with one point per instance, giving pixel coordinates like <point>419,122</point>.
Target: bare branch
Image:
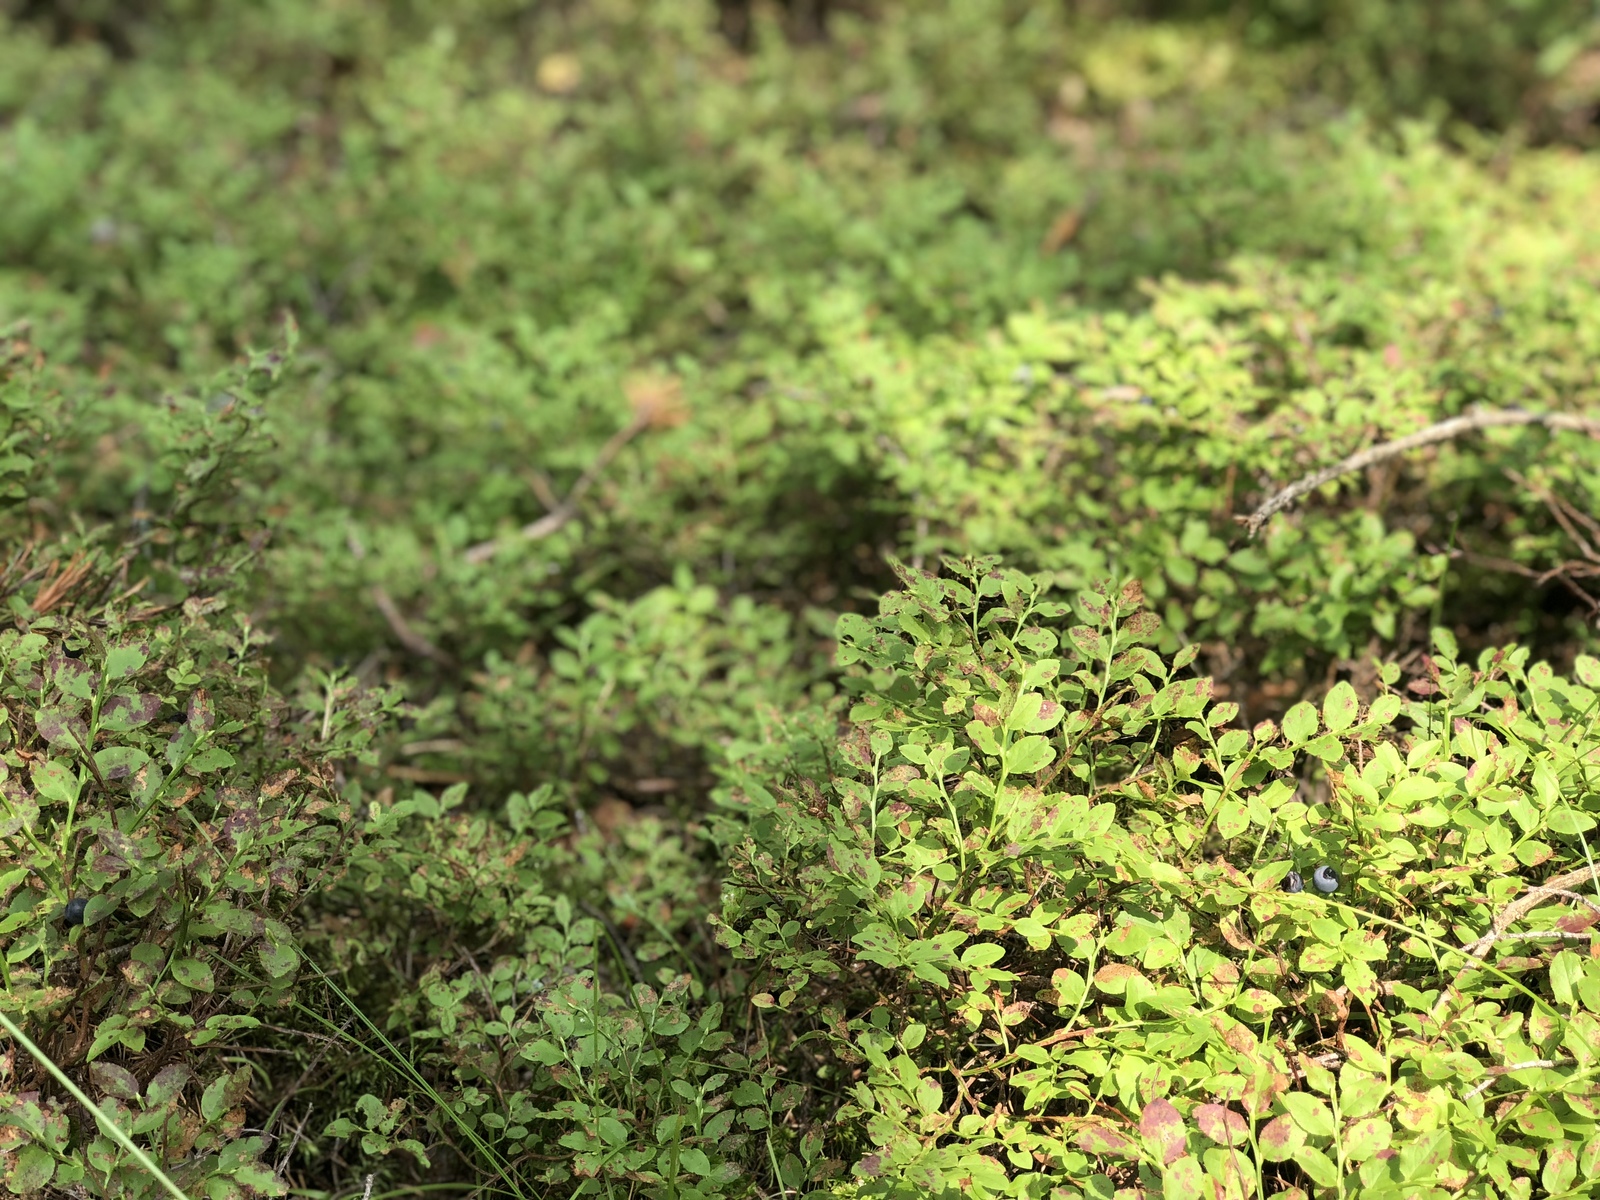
<point>1537,893</point>
<point>562,513</point>
<point>409,637</point>
<point>1441,432</point>
<point>1512,913</point>
<point>1497,1072</point>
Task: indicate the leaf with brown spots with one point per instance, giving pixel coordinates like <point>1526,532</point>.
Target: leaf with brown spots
<point>1161,1126</point>
<point>1099,1138</point>
<point>1221,1124</point>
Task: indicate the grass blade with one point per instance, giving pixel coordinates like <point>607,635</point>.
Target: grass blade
<point>106,1123</point>
<point>501,1168</point>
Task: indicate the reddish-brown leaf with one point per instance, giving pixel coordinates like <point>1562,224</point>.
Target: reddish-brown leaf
<point>1221,1124</point>
<point>1099,1138</point>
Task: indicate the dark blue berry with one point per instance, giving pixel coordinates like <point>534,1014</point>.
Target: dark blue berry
<point>1325,878</point>
<point>75,908</point>
<point>1293,883</point>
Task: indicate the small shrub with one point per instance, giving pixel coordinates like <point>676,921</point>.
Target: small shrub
<point>165,815</point>
<point>1033,928</point>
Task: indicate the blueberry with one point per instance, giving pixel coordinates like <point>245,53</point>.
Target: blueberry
<point>1325,878</point>
<point>1293,883</point>
<point>75,908</point>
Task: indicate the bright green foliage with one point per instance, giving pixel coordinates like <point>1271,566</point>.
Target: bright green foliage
<point>503,621</point>
<point>1038,904</point>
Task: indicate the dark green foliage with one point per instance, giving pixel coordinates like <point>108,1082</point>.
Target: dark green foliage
<point>555,617</point>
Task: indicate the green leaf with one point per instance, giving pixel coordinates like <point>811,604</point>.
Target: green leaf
<point>1309,1113</point>
<point>1339,707</point>
<point>55,781</point>
<point>1560,1168</point>
<point>1367,1137</point>
<point>214,1100</point>
<point>1384,710</point>
<point>99,907</point>
<point>983,737</point>
<point>122,661</point>
<point>196,975</point>
<point>982,954</point>
<point>212,758</point>
<point>1128,939</point>
<point>1327,747</point>
<point>220,1024</point>
<point>1569,823</point>
<point>1566,971</point>
<point>1232,818</point>
<point>34,1168</point>
<point>543,1052</point>
<point>1185,1180</point>
<point>1318,957</point>
<point>1300,723</point>
<point>1444,643</point>
<point>1364,1056</point>
<point>1317,1165</point>
<point>1024,711</point>
<point>279,959</point>
<point>1030,754</point>
<point>1413,790</point>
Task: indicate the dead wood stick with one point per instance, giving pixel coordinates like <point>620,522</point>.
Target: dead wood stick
<point>1443,431</point>
<point>409,637</point>
<point>568,508</point>
<point>1537,894</point>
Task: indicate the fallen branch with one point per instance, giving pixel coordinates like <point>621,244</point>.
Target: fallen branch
<point>1558,885</point>
<point>1496,1073</point>
<point>1537,894</point>
<point>1441,432</point>
<point>562,513</point>
<point>409,637</point>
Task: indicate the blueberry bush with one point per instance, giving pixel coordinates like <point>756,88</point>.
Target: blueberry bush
<point>673,600</point>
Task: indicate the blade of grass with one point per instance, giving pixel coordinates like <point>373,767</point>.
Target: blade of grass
<point>106,1123</point>
<point>501,1168</point>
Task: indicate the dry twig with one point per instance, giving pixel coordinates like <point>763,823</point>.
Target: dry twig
<point>559,516</point>
<point>1443,431</point>
<point>1558,885</point>
<point>61,584</point>
<point>409,637</point>
<point>1496,1073</point>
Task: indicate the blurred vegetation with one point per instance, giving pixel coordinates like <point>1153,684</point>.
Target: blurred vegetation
<point>462,434</point>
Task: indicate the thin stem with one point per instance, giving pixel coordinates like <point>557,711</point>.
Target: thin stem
<point>106,1123</point>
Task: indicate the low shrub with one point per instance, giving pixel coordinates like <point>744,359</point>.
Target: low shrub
<point>1031,937</point>
<point>563,728</point>
<point>166,813</point>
